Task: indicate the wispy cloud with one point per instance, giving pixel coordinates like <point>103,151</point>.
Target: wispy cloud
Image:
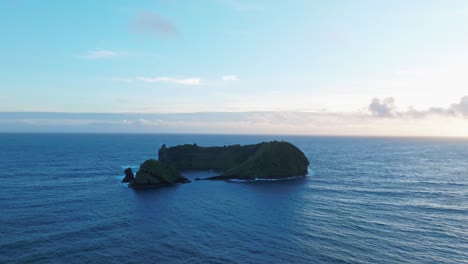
<point>229,78</point>
<point>151,23</point>
<point>101,54</point>
<point>112,54</point>
<point>183,81</point>
<point>151,123</point>
<point>175,80</point>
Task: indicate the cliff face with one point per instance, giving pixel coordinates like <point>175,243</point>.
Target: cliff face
<point>270,160</point>
<point>193,157</point>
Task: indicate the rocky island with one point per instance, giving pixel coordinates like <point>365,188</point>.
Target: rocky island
<point>267,160</point>
<point>153,173</point>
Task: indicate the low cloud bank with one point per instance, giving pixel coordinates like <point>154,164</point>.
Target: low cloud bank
<point>386,108</point>
<point>382,118</point>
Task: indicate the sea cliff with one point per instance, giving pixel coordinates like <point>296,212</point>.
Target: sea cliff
<point>268,160</point>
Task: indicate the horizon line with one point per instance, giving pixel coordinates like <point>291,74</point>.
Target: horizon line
<point>245,134</point>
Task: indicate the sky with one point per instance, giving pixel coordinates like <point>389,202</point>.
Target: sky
<point>331,67</point>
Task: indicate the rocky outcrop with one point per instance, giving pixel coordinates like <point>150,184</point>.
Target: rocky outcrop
<point>153,173</point>
<point>267,160</point>
<point>129,176</point>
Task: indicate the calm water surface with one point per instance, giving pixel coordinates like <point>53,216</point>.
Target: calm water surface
<point>365,200</point>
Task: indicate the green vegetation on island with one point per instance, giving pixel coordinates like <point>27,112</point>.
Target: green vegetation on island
<point>269,160</point>
<point>193,157</point>
<point>272,160</point>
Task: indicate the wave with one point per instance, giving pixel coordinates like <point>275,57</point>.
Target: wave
<point>266,179</point>
<point>133,167</point>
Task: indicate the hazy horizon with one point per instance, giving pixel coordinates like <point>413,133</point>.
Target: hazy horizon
<point>370,68</point>
<point>237,123</point>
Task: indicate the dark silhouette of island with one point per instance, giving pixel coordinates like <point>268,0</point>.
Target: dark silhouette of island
<point>153,173</point>
<point>266,160</point>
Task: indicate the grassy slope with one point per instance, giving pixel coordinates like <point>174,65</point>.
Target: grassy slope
<point>265,160</point>
<point>272,160</point>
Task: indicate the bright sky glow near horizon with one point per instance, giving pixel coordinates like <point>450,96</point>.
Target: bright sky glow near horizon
<point>355,67</point>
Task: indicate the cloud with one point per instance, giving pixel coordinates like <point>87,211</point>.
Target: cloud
<point>110,54</point>
<point>183,81</point>
<point>204,122</point>
<point>461,107</point>
<point>101,54</point>
<point>383,108</point>
<point>173,80</point>
<point>151,123</point>
<point>251,122</point>
<point>152,24</point>
<point>229,78</point>
<point>386,108</point>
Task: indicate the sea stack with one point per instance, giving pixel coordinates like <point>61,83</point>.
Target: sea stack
<point>129,176</point>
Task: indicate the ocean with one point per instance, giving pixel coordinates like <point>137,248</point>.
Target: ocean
<point>365,200</point>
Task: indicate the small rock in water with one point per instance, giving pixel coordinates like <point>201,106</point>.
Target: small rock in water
<point>129,176</point>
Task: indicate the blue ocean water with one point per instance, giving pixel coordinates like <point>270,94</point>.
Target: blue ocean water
<point>365,200</point>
